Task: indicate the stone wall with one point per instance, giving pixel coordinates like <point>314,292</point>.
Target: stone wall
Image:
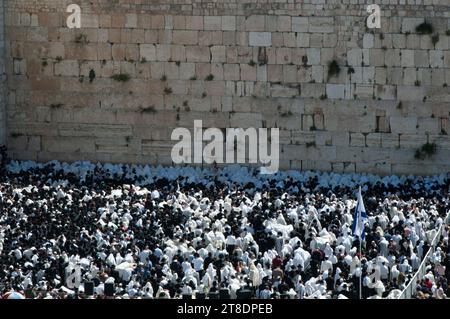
<point>2,78</point>
<point>232,63</point>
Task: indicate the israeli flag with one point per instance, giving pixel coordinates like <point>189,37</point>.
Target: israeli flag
<point>360,217</point>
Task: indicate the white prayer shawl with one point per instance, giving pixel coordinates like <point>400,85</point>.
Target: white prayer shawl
<point>354,264</point>
<point>125,270</point>
<point>326,265</point>
<point>323,239</point>
<point>333,259</point>
<point>337,275</point>
<point>275,228</point>
<point>328,250</point>
<point>384,272</point>
<point>311,287</point>
<point>287,249</point>
<point>380,260</point>
<point>254,276</point>
<point>225,273</point>
<point>430,235</point>
<point>405,267</point>
<point>415,262</point>
<point>394,273</point>
<point>111,261</point>
<point>394,294</point>
<point>420,249</point>
<point>207,280</point>
<point>384,247</point>
<point>340,249</point>
<point>347,243</point>
<point>302,258</point>
<point>234,286</point>
<point>211,271</point>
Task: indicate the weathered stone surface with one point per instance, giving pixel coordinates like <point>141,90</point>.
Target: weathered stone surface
<point>231,64</point>
<point>260,39</point>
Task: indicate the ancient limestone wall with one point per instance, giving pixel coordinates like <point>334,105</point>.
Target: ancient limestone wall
<point>2,78</point>
<point>232,63</point>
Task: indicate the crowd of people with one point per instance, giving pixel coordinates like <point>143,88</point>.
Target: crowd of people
<point>434,284</point>
<point>154,232</point>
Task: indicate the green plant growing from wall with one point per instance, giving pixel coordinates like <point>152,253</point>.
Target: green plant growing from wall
<point>210,77</point>
<point>148,110</point>
<point>427,150</point>
<point>286,114</point>
<point>16,135</point>
<point>81,38</point>
<point>435,39</point>
<point>164,78</point>
<point>167,90</point>
<point>333,69</point>
<point>56,106</point>
<point>122,77</point>
<point>425,28</point>
<point>91,76</point>
<point>252,63</point>
<point>59,59</point>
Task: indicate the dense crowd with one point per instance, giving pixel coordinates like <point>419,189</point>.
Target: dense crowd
<point>156,232</point>
<point>434,284</point>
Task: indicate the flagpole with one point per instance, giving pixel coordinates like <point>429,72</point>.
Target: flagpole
<point>360,251</point>
<point>360,267</point>
<point>358,230</point>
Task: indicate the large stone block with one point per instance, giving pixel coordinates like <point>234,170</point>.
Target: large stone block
<point>262,39</point>
<point>410,93</point>
<point>407,59</point>
<point>67,68</point>
<point>185,37</point>
<point>300,24</point>
<point>229,23</point>
<point>245,120</point>
<point>197,54</point>
<point>321,24</point>
<point>403,125</point>
<point>255,23</point>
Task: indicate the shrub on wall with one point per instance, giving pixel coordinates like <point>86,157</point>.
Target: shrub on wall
<point>333,69</point>
<point>121,77</point>
<point>425,28</point>
<point>427,150</point>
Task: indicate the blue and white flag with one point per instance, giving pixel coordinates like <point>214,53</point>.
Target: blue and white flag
<point>360,217</point>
